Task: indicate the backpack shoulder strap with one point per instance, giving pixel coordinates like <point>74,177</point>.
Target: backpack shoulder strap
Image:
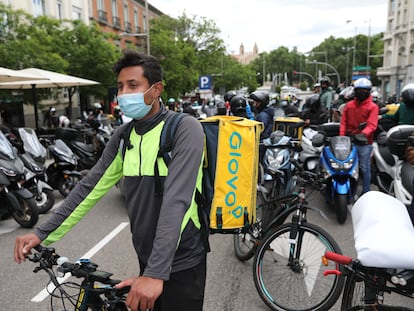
<point>125,143</point>
<point>167,135</point>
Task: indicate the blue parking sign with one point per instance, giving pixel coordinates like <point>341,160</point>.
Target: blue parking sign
<point>204,82</point>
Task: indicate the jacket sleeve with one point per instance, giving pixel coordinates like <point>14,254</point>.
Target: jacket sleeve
<point>86,193</point>
<point>179,188</point>
<point>372,122</point>
<point>342,127</point>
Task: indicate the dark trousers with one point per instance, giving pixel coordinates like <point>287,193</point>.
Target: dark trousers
<point>184,291</point>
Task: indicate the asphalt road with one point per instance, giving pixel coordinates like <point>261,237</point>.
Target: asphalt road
<point>104,236</point>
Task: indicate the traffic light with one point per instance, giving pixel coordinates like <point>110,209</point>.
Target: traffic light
<point>294,73</point>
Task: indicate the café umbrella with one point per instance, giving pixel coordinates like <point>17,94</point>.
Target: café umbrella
<point>49,79</point>
<point>10,75</point>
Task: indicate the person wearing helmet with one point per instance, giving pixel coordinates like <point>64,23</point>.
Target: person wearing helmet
<point>405,111</point>
<point>238,105</point>
<point>361,110</point>
<point>313,112</point>
<point>227,98</point>
<point>326,94</point>
<point>264,113</point>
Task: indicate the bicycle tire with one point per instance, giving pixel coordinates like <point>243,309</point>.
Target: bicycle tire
<point>282,287</point>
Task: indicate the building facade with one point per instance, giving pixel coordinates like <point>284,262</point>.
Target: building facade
<point>244,57</point>
<point>126,18</point>
<point>398,69</point>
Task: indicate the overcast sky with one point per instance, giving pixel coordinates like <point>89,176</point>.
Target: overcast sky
<point>274,23</point>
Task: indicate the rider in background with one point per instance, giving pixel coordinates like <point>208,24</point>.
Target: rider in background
<point>264,113</point>
<point>405,112</point>
<point>360,110</point>
<point>313,112</point>
<point>326,94</point>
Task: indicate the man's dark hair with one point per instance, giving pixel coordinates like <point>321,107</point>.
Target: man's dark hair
<point>151,66</point>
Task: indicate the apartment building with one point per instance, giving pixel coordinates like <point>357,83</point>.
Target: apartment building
<point>126,18</point>
<point>398,69</point>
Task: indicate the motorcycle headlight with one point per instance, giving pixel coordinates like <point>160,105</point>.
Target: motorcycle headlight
<point>274,160</point>
<point>8,172</point>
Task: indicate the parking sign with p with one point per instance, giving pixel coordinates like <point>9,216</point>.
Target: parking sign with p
<point>204,82</point>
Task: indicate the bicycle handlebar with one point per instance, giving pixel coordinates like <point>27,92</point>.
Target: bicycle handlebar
<point>341,259</point>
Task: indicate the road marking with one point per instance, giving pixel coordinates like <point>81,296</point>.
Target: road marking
<point>45,292</point>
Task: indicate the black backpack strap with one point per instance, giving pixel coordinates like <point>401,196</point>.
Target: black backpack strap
<point>166,142</point>
<point>125,142</point>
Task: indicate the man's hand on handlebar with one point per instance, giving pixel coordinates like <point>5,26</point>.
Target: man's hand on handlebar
<point>143,293</point>
<point>23,246</point>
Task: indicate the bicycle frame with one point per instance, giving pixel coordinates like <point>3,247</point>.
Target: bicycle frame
<point>377,281</point>
<point>89,296</point>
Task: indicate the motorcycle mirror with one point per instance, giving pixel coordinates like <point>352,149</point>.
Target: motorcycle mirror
<point>383,110</point>
<point>362,125</point>
<point>318,140</point>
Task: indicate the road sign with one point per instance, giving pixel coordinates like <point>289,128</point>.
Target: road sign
<point>204,82</point>
<point>361,68</point>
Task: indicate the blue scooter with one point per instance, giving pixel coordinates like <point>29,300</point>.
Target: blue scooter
<point>339,166</point>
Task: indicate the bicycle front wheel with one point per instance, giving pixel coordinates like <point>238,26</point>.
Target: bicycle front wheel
<point>296,282</point>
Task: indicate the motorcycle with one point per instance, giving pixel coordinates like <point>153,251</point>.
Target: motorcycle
<point>391,173</point>
<point>277,170</point>
<point>34,158</point>
<point>88,153</point>
<point>309,155</point>
<point>339,166</point>
<point>14,199</point>
<point>61,172</point>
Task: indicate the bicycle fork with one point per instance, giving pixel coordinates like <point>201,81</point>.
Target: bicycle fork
<point>295,241</point>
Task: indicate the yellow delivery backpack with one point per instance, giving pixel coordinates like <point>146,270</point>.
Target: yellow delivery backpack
<point>230,171</point>
<point>227,201</point>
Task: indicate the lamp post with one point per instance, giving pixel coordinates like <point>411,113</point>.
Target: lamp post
<point>329,65</point>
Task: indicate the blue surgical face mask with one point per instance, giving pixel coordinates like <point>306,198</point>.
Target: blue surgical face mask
<point>133,105</point>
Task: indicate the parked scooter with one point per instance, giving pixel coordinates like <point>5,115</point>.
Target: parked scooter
<point>61,173</point>
<point>391,173</point>
<point>34,158</point>
<point>277,172</point>
<point>339,166</point>
<point>309,155</point>
<point>88,153</point>
<point>14,199</point>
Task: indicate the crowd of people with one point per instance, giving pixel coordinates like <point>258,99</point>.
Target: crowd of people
<point>165,226</point>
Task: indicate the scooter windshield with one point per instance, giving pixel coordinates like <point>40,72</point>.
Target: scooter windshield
<point>6,148</point>
<point>31,143</point>
<point>341,147</point>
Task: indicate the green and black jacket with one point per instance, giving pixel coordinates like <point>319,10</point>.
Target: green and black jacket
<point>165,227</point>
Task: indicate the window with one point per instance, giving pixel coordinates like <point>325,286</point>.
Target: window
<point>136,21</point>
<point>59,12</point>
<point>114,8</point>
<point>39,7</point>
<point>76,13</point>
<point>101,5</point>
<point>126,13</point>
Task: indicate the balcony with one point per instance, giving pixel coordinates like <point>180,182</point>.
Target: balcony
<point>128,27</point>
<point>137,29</point>
<point>102,16</point>
<point>116,22</point>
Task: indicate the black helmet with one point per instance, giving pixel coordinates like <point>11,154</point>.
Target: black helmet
<point>261,97</point>
<point>408,94</point>
<point>313,102</point>
<point>325,80</point>
<point>238,105</point>
<point>229,95</point>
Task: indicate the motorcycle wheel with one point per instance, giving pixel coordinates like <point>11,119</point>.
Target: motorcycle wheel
<point>45,200</point>
<point>66,185</point>
<point>341,207</point>
<point>24,211</point>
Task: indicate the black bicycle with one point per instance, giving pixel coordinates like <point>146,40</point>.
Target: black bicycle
<point>96,291</point>
<point>366,287</point>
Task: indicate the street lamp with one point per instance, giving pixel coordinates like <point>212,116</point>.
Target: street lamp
<point>329,65</point>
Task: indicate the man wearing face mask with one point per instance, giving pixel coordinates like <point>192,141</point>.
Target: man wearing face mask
<point>359,110</point>
<point>165,226</point>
